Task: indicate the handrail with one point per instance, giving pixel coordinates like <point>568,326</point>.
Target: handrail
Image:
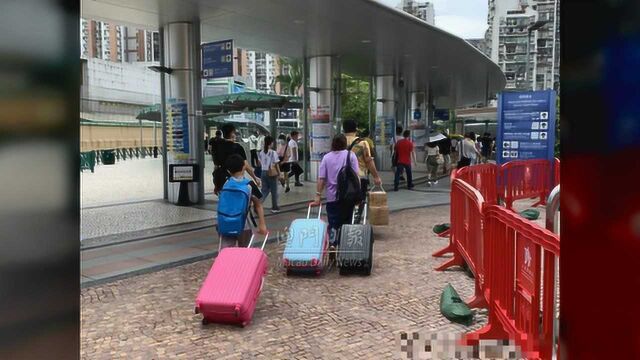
<point>553,205</point>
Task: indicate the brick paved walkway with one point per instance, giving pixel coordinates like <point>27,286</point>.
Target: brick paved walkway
<point>332,317</point>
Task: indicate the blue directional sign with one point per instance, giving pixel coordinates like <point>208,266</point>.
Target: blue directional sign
<point>417,114</point>
<point>441,114</point>
<point>217,59</point>
<point>526,125</point>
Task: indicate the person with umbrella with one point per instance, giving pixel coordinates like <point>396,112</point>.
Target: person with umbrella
<point>433,151</point>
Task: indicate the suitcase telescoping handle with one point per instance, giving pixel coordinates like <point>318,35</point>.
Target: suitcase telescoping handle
<point>309,211</point>
<point>364,214</point>
<point>263,243</point>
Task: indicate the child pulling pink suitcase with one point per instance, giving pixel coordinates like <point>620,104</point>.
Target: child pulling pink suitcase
<point>231,290</point>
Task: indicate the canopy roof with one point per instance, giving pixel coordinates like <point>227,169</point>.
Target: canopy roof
<point>222,104</point>
<point>369,39</point>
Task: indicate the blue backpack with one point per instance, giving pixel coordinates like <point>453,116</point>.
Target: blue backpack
<point>233,207</point>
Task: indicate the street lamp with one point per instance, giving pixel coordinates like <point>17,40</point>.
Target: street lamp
<point>533,27</point>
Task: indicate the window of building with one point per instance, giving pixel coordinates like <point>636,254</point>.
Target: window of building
<point>156,46</point>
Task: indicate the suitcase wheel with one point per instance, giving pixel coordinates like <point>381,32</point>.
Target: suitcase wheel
<point>288,272</point>
<point>341,271</point>
<point>205,321</point>
<point>197,310</point>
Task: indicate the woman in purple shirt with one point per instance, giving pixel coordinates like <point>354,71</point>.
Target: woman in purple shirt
<point>331,164</point>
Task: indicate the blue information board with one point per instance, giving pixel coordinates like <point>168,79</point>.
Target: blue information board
<point>526,125</point>
<point>441,114</point>
<point>417,114</point>
<point>217,59</point>
<point>177,127</point>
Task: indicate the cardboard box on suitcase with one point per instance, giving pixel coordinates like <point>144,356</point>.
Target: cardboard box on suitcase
<point>377,198</point>
<point>355,255</point>
<point>230,291</point>
<point>306,245</point>
<point>379,215</point>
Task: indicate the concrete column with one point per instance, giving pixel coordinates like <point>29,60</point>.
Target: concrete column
<point>322,110</point>
<point>430,110</point>
<point>181,54</point>
<point>385,107</point>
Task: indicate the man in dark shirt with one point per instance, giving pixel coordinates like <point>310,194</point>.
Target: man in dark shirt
<point>487,141</point>
<point>445,149</point>
<point>212,145</point>
<point>224,148</point>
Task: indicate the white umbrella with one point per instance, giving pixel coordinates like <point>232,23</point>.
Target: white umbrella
<point>436,137</point>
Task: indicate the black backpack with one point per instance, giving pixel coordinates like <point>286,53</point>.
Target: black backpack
<point>348,181</point>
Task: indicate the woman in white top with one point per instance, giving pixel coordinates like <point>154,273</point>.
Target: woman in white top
<point>432,151</point>
<point>269,160</point>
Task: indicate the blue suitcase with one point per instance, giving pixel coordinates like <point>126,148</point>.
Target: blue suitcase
<point>307,244</point>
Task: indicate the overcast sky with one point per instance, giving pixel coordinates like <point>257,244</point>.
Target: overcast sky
<point>464,18</point>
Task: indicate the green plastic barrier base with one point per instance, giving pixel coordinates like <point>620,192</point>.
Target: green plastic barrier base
<point>453,308</point>
<point>530,214</point>
<point>439,228</point>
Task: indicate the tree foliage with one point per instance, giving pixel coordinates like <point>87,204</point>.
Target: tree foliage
<point>355,100</point>
<point>291,82</point>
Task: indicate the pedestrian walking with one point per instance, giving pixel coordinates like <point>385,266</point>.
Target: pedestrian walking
<point>338,212</point>
<point>269,160</point>
<point>394,155</point>
<point>406,156</point>
<point>253,148</point>
<point>432,151</point>
<point>444,146</point>
<point>487,142</point>
<point>468,151</point>
<point>360,147</point>
<point>225,148</point>
<point>296,169</point>
<point>236,189</point>
<point>283,155</point>
<point>212,146</point>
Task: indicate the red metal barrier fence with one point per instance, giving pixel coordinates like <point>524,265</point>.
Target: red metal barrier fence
<point>524,179</point>
<point>513,264</point>
<point>484,178</point>
<point>520,179</point>
<point>466,239</point>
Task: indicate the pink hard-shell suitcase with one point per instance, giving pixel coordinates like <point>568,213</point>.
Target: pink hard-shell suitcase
<point>231,290</point>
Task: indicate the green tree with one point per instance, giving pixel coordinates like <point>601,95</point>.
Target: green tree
<point>355,100</point>
<point>290,83</point>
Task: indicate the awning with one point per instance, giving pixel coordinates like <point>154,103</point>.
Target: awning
<point>369,38</point>
<point>241,102</point>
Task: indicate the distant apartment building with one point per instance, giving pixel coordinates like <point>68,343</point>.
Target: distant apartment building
<point>421,9</point>
<point>262,70</point>
<point>118,43</point>
<point>510,34</point>
<point>481,45</point>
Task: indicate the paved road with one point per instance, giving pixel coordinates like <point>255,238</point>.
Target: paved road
<point>151,316</point>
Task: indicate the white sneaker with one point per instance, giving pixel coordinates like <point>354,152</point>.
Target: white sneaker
<point>275,211</point>
<point>435,182</point>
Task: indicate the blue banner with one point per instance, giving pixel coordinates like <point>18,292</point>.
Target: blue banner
<point>526,125</point>
<point>217,59</point>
